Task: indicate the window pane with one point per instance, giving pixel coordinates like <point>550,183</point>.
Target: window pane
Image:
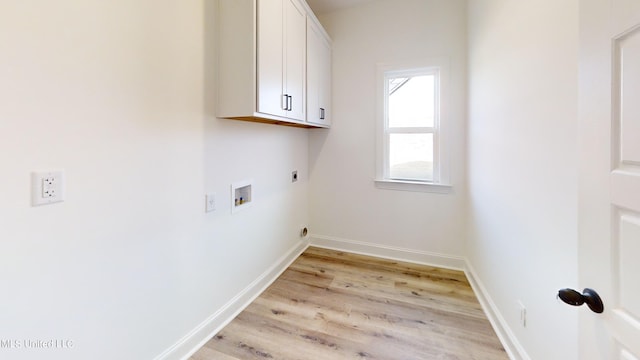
<point>411,101</point>
<point>411,157</point>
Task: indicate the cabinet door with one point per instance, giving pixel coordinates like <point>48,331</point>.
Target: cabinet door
<point>270,62</point>
<point>295,58</point>
<point>325,82</point>
<point>318,76</point>
<point>314,112</point>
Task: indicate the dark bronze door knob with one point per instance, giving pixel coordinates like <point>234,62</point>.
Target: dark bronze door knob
<point>588,296</point>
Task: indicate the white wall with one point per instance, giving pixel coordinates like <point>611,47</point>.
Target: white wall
<point>120,94</point>
<point>522,155</point>
<point>345,206</point>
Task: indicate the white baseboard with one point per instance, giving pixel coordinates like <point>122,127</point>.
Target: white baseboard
<point>197,337</point>
<point>389,252</point>
<point>507,337</point>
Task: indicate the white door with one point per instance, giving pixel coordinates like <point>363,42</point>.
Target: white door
<point>609,210</point>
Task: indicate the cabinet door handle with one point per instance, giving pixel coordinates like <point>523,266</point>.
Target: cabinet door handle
<point>321,113</point>
<point>290,106</point>
<point>285,102</point>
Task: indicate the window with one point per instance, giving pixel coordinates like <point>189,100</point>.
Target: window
<point>410,136</point>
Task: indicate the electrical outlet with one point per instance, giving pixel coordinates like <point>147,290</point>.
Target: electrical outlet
<point>294,176</point>
<point>210,202</point>
<point>49,184</point>
<point>523,314</point>
<point>47,187</point>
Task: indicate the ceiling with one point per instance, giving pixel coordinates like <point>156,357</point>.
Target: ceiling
<point>325,6</point>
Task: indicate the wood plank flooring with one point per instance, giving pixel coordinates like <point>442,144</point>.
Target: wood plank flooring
<point>334,305</point>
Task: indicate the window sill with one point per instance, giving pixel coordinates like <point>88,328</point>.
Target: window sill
<point>416,186</point>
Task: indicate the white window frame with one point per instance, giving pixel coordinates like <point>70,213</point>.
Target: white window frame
<point>441,181</point>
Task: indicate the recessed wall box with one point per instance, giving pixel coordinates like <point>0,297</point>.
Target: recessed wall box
<point>241,195</point>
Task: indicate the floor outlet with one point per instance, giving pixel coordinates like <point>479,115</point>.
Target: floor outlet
<point>47,187</point>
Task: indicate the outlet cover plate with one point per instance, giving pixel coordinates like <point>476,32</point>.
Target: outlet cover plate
<point>47,187</point>
<point>523,314</point>
<point>210,202</point>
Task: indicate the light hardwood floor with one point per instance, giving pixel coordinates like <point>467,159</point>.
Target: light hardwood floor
<point>334,305</point>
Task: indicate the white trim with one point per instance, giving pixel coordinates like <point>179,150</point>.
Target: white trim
<point>441,171</point>
<point>412,130</point>
<point>389,252</point>
<point>417,186</point>
<point>202,333</point>
<point>508,339</point>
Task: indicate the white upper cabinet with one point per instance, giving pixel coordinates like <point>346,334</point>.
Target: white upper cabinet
<point>270,59</point>
<point>318,75</point>
<point>295,58</point>
<point>281,58</point>
<point>262,61</point>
